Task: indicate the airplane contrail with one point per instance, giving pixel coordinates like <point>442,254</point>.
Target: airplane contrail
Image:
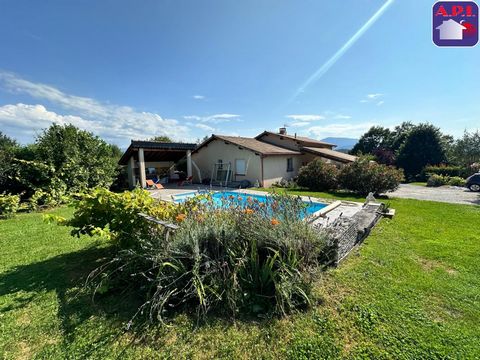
<point>327,65</point>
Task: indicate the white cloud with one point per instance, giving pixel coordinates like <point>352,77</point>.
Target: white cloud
<point>305,117</point>
<point>373,98</point>
<point>29,119</point>
<point>214,119</point>
<point>342,117</point>
<point>199,97</point>
<point>300,124</point>
<point>339,130</point>
<point>205,127</point>
<point>112,122</point>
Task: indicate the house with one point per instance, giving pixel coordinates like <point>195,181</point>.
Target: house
<point>229,160</point>
<point>451,30</point>
<point>266,159</point>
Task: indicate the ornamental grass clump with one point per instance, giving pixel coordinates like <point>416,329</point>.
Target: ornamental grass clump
<point>238,257</point>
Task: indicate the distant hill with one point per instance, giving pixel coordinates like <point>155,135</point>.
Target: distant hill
<point>342,143</point>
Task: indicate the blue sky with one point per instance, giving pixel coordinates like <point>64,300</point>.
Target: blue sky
<point>135,69</point>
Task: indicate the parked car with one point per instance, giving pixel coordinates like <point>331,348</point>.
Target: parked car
<point>473,182</point>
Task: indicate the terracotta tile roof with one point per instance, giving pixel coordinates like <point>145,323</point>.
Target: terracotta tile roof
<point>330,154</point>
<point>301,139</point>
<point>253,145</point>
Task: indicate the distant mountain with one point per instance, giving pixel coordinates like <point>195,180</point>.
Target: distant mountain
<point>342,143</point>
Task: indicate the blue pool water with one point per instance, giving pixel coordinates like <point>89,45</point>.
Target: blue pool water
<point>244,198</point>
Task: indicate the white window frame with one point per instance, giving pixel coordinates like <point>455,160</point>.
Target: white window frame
<point>237,172</point>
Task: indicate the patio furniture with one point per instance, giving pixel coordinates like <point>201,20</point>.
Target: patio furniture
<point>187,181</point>
<point>152,185</point>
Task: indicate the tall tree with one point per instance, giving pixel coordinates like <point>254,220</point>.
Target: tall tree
<point>400,133</point>
<point>377,137</point>
<point>466,151</point>
<point>79,159</point>
<point>423,146</point>
<point>6,142</point>
<point>7,150</point>
<point>161,138</point>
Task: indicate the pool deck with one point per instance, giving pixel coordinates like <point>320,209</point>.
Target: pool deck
<point>344,209</point>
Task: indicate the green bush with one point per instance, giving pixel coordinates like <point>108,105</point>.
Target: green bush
<point>446,170</point>
<point>55,195</point>
<point>116,214</point>
<point>440,180</point>
<point>318,176</point>
<point>437,180</point>
<point>364,176</point>
<point>456,181</point>
<point>242,257</point>
<point>9,205</point>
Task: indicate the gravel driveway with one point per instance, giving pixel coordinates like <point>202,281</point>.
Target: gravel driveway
<point>449,194</point>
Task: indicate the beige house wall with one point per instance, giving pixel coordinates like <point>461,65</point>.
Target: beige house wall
<point>217,150</point>
<point>275,168</point>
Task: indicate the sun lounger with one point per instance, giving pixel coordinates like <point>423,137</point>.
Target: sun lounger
<point>152,185</point>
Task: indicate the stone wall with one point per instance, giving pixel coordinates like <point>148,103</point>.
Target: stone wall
<point>346,233</point>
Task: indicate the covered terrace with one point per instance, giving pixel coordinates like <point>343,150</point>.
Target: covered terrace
<point>155,160</point>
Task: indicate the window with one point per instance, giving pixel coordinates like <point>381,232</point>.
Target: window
<point>289,164</point>
<point>240,167</point>
<point>220,164</point>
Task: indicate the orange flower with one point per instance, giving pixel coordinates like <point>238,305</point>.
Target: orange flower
<point>181,217</point>
<point>275,222</point>
<point>231,197</point>
<point>249,211</point>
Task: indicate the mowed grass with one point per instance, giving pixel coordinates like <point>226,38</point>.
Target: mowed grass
<point>412,290</point>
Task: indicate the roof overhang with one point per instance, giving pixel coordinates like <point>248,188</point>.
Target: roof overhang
<point>156,151</point>
<point>330,154</point>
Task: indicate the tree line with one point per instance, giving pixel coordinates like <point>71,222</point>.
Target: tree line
<point>414,147</point>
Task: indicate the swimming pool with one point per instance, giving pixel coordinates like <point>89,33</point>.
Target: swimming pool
<point>245,199</point>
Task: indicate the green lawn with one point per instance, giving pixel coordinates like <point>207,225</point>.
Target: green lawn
<point>419,183</point>
<point>411,291</point>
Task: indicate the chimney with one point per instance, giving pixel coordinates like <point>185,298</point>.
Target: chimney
<point>282,131</point>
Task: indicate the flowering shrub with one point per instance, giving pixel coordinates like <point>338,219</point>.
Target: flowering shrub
<point>364,176</point>
<point>116,214</point>
<point>9,205</point>
<point>242,256</point>
<point>318,175</point>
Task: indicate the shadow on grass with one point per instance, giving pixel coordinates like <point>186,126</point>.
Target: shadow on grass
<point>65,275</point>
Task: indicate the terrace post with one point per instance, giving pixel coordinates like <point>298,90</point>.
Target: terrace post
<point>189,163</point>
<point>141,163</point>
<point>131,172</point>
